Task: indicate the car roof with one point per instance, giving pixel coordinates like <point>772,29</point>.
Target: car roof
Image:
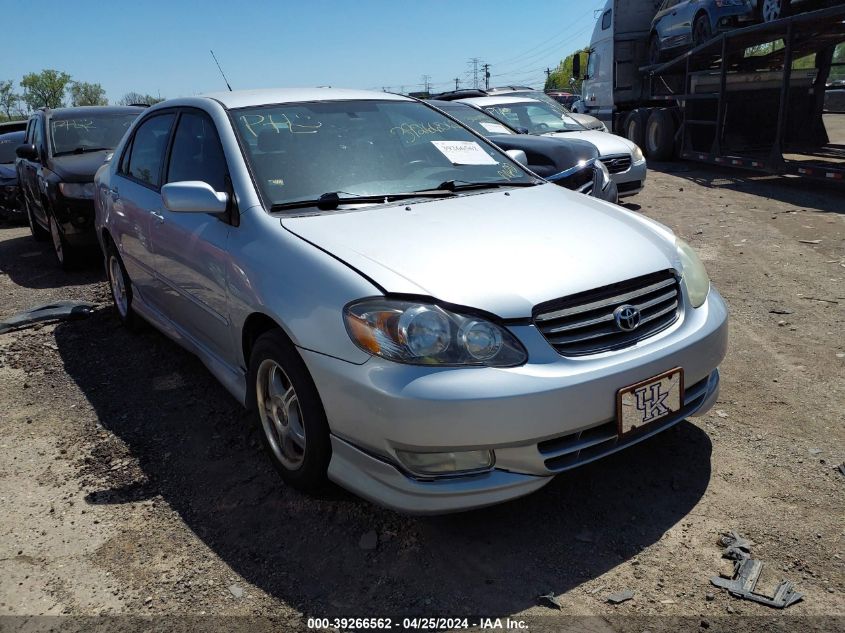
<point>82,110</point>
<point>493,101</point>
<point>438,103</point>
<point>246,98</point>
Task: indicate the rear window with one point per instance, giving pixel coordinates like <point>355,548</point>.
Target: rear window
<point>8,145</point>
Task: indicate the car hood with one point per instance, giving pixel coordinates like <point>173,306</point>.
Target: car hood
<point>8,173</point>
<point>503,252</point>
<point>562,152</point>
<point>589,122</point>
<point>607,144</point>
<point>78,167</point>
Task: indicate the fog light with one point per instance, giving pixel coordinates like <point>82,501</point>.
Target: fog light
<point>451,463</point>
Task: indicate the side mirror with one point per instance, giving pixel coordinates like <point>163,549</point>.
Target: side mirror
<point>576,66</point>
<point>518,155</point>
<point>27,151</point>
<point>193,196</point>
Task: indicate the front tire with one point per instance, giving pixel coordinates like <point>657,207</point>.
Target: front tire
<point>37,231</point>
<point>771,10</point>
<point>701,31</point>
<point>289,412</point>
<point>65,254</point>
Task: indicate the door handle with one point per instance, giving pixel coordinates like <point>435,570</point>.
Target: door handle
<point>158,215</point>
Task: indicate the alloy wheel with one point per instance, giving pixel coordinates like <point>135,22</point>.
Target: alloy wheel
<point>281,414</point>
<point>772,10</point>
<point>57,240</point>
<point>118,287</point>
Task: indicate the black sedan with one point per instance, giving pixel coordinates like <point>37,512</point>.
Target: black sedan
<point>10,206</point>
<point>56,163</point>
<point>570,163</point>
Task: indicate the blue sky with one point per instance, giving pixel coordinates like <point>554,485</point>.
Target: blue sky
<point>163,47</point>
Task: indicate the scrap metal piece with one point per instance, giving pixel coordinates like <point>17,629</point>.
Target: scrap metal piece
<point>736,546</point>
<point>620,596</point>
<point>550,600</point>
<point>747,572</point>
<point>55,311</point>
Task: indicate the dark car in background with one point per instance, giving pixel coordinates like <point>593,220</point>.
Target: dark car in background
<point>56,163</point>
<point>10,206</point>
<point>570,163</point>
<point>681,24</point>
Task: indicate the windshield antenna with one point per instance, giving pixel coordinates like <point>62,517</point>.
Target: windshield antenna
<point>221,70</point>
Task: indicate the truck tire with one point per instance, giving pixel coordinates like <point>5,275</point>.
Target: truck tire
<point>634,126</point>
<point>660,135</point>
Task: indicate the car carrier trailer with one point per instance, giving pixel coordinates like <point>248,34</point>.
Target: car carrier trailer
<point>736,100</point>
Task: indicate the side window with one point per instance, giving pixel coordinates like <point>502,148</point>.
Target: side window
<point>197,153</point>
<point>605,19</point>
<point>148,146</point>
<point>38,134</point>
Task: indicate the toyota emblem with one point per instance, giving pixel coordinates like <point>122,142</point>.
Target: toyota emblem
<point>627,317</point>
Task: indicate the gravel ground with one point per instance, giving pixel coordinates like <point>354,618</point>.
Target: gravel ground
<point>131,484</point>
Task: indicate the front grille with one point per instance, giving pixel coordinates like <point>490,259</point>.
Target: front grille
<point>584,323</point>
<point>581,181</point>
<point>617,164</point>
<point>575,449</point>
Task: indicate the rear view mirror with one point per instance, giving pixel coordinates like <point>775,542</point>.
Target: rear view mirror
<point>518,155</point>
<point>193,196</point>
<point>576,65</point>
<point>27,151</point>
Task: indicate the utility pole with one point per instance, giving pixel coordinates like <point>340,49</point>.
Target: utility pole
<point>457,81</point>
<point>426,79</point>
<point>548,73</point>
<point>486,68</point>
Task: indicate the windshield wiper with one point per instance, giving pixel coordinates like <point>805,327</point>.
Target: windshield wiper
<point>83,150</point>
<point>465,185</point>
<point>332,200</point>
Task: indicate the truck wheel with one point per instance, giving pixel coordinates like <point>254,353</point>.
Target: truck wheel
<point>660,135</point>
<point>634,127</point>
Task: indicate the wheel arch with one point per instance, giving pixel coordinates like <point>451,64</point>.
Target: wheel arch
<point>256,324</point>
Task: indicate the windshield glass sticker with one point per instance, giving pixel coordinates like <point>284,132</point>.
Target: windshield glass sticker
<point>464,153</point>
<point>494,128</point>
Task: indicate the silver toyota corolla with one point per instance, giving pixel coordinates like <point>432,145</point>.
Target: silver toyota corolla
<point>410,312</point>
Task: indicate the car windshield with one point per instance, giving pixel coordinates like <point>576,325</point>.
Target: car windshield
<point>89,132</point>
<point>302,151</point>
<point>477,120</point>
<point>535,116</point>
<point>8,145</point>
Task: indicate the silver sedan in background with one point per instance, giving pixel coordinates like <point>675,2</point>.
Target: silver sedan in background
<point>410,313</point>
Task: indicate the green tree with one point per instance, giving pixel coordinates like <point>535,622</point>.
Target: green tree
<point>561,77</point>
<point>136,97</point>
<point>45,89</point>
<point>9,99</point>
<point>85,94</point>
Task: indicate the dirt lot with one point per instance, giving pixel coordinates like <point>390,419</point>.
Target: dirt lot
<point>132,484</point>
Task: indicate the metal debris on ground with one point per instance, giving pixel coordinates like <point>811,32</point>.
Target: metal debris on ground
<point>841,468</point>
<point>736,546</point>
<point>746,572</point>
<point>620,596</point>
<point>56,311</point>
<point>550,600</point>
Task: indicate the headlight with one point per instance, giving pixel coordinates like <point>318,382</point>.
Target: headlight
<point>605,175</point>
<point>693,273</point>
<point>603,128</point>
<point>638,154</point>
<point>426,334</point>
<point>77,189</point>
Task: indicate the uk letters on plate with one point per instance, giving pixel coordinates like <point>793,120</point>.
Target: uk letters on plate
<point>649,401</point>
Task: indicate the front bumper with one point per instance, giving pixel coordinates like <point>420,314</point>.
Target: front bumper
<point>76,220</point>
<point>549,415</point>
<point>632,180</point>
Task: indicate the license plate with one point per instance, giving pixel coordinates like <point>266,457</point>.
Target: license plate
<point>650,400</point>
